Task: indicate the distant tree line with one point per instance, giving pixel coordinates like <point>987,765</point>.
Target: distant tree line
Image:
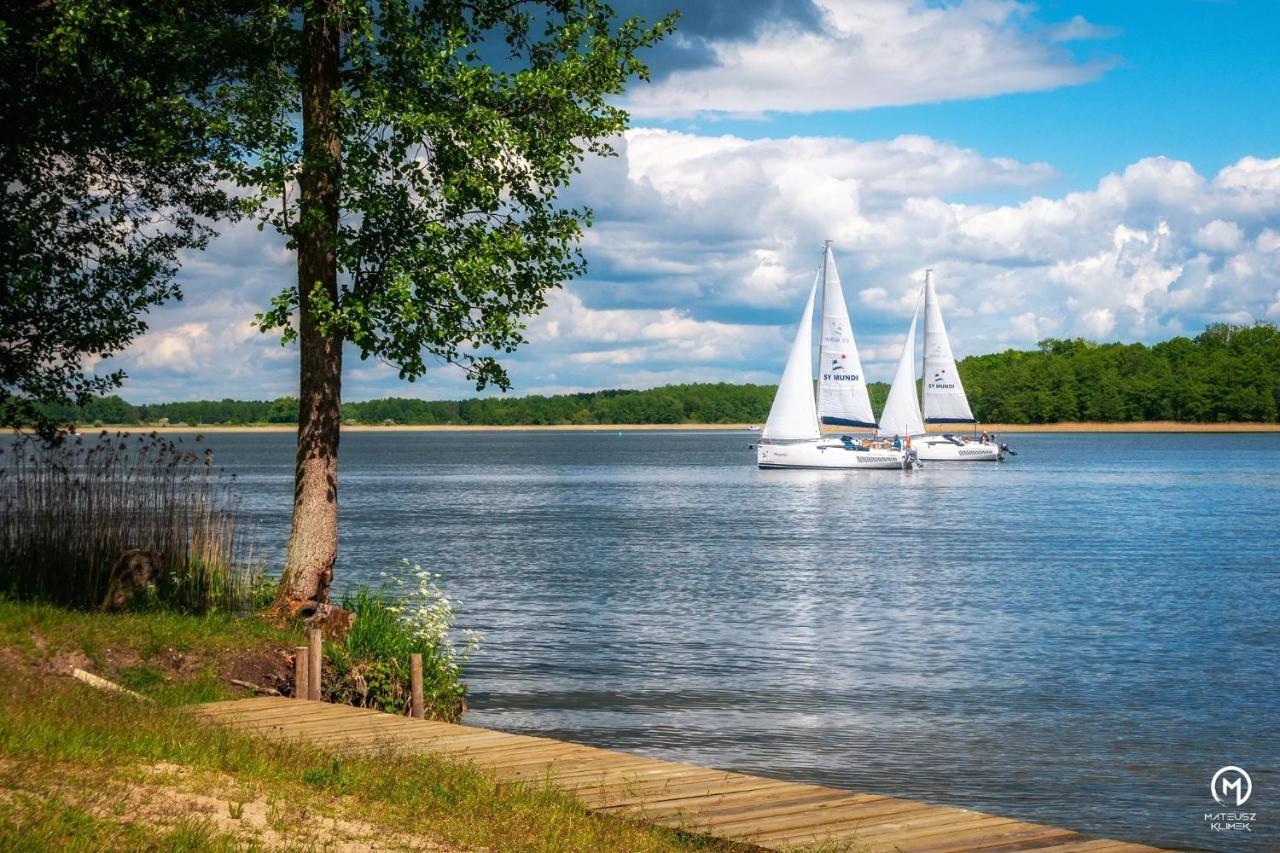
<point>1227,373</point>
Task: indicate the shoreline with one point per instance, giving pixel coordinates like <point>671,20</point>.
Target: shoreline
<point>1074,426</point>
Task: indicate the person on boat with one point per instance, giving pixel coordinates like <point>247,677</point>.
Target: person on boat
<point>983,440</point>
<point>897,442</point>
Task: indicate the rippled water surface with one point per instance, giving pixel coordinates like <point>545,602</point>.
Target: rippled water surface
<point>1080,636</point>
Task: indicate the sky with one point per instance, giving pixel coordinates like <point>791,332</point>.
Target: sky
<point>1095,169</point>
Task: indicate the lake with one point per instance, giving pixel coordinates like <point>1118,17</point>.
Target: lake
<point>1082,635</point>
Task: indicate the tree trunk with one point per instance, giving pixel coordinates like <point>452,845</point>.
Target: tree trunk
<point>313,540</point>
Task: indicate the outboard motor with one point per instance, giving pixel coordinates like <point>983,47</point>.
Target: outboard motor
<point>911,459</point>
<point>1004,448</point>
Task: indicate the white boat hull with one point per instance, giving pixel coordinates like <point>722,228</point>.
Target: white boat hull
<point>828,454</point>
<point>937,448</point>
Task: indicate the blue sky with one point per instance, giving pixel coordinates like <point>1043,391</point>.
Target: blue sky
<point>1193,80</point>
<point>1107,170</point>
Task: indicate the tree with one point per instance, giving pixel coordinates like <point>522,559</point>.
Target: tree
<point>435,138</point>
<point>107,175</point>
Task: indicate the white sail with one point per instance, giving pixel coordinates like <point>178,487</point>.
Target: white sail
<point>901,415</point>
<point>842,386</point>
<point>944,398</point>
<point>793,416</point>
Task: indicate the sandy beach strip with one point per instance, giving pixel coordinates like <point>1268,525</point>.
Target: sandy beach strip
<point>1082,426</point>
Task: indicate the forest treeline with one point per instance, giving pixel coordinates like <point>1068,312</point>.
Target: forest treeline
<point>1227,373</point>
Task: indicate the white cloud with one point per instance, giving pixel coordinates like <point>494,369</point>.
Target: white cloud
<point>1024,328</point>
<point>1127,259</point>
<point>1098,323</point>
<point>174,349</point>
<point>1219,236</point>
<point>652,336</point>
<point>872,53</point>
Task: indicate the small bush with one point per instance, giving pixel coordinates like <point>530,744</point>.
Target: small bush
<point>68,512</point>
<point>371,664</point>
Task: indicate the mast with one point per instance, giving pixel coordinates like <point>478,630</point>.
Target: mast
<point>924,361</point>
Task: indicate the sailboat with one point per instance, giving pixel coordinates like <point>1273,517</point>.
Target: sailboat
<point>944,400</point>
<point>792,436</point>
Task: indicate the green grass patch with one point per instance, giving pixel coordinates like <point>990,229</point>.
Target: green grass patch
<point>33,822</point>
<point>50,722</point>
<point>40,628</point>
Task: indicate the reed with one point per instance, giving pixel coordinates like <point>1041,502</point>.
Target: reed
<point>68,512</point>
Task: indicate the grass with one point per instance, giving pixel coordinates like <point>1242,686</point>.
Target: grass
<point>31,821</point>
<point>87,769</point>
<point>64,747</point>
<point>68,513</point>
<point>171,658</point>
<point>27,625</point>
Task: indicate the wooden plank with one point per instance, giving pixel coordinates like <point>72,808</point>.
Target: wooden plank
<point>804,824</point>
<point>1098,845</point>
<point>445,744</point>
<point>295,709</point>
<point>302,716</point>
<point>983,839</point>
<point>322,732</point>
<point>725,818</point>
<point>242,704</point>
<point>662,770</point>
<point>594,771</point>
<point>689,806</point>
<point>576,775</point>
<point>637,770</point>
<point>627,793</point>
<point>310,717</point>
<point>677,794</point>
<point>525,760</point>
<point>956,827</point>
<point>853,813</point>
<point>567,771</point>
<point>898,825</point>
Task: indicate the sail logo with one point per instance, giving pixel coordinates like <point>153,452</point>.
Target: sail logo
<point>941,381</point>
<point>837,373</point>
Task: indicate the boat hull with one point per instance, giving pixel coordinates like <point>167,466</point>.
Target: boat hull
<point>828,454</point>
<point>941,449</point>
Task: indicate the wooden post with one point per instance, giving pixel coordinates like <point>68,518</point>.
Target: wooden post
<point>415,686</point>
<point>300,670</point>
<point>315,658</point>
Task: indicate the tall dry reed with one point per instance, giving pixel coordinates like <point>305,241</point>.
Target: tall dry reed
<point>67,513</point>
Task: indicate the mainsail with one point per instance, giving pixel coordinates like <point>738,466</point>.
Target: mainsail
<point>793,416</point>
<point>901,415</point>
<point>842,386</point>
<point>944,398</point>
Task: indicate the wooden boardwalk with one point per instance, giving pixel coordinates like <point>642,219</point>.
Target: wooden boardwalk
<point>752,809</point>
